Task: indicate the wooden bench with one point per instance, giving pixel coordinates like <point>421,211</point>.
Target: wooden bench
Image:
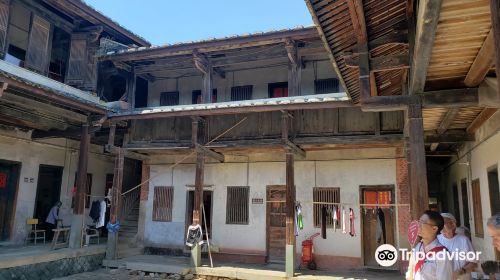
<point>65,235</point>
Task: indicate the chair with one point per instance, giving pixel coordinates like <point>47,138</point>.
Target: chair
<point>88,233</point>
<point>37,233</point>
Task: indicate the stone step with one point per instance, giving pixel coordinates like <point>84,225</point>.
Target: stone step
<point>128,252</point>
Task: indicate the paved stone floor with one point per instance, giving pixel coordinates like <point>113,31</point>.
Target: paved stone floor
<point>123,274</point>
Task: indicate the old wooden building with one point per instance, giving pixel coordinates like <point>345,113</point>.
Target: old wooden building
<point>383,106</point>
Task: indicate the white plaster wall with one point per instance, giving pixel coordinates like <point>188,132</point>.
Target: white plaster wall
<point>346,174</point>
<point>259,78</point>
<point>484,153</point>
<point>31,156</point>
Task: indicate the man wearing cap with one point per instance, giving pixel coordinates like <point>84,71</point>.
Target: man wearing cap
<point>457,243</point>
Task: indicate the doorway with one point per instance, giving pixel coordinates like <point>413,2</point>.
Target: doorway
<point>9,179</point>
<point>275,223</point>
<point>465,202</point>
<point>48,190</point>
<point>207,204</point>
<point>377,222</point>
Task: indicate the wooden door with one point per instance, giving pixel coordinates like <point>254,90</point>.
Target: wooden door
<point>9,175</point>
<point>48,190</point>
<point>276,223</point>
<point>370,217</point>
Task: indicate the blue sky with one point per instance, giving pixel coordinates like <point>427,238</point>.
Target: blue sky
<point>171,21</point>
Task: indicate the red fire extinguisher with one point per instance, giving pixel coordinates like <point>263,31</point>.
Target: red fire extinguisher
<point>307,252</point>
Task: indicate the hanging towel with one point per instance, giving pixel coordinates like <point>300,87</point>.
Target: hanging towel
<point>352,230</point>
<point>343,221</point>
<point>94,210</point>
<point>334,218</point>
<point>102,214</point>
<point>323,222</point>
<point>381,235</point>
<point>300,222</point>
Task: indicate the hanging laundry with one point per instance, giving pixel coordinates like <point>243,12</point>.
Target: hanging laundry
<point>299,223</point>
<point>335,218</point>
<point>102,214</point>
<point>352,230</point>
<point>323,222</point>
<point>381,235</point>
<point>95,210</point>
<point>343,221</point>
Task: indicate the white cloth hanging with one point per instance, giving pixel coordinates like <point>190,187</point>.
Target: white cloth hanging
<point>102,214</point>
<point>334,218</point>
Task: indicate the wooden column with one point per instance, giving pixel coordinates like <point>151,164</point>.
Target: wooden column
<point>131,83</point>
<point>143,201</point>
<point>417,164</point>
<point>290,200</point>
<point>198,190</point>
<point>81,189</point>
<point>294,68</point>
<point>204,66</point>
<point>116,198</point>
<point>495,25</point>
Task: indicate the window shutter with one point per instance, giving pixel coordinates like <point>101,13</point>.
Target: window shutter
<point>326,196</point>
<point>237,205</point>
<point>77,60</point>
<point>4,23</point>
<point>163,203</point>
<point>90,82</point>
<point>37,54</point>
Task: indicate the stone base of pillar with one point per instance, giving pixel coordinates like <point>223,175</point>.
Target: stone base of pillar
<point>75,233</point>
<point>196,256</point>
<point>290,257</point>
<point>111,250</point>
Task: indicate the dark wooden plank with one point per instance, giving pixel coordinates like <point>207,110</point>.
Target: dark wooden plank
<point>450,98</point>
<point>290,200</point>
<point>482,63</point>
<point>495,25</point>
<point>381,63</point>
<point>294,68</point>
<point>77,59</point>
<point>449,138</point>
<point>198,191</point>
<point>426,25</point>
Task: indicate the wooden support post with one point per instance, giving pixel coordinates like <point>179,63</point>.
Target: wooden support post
<point>418,170</point>
<point>290,215</point>
<point>112,132</point>
<point>198,191</point>
<point>495,25</point>
<point>294,68</point>
<point>131,81</point>
<point>204,66</point>
<point>81,190</point>
<point>143,201</point>
<point>116,198</point>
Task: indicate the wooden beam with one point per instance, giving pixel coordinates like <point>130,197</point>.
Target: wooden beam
<point>289,146</point>
<point>396,37</point>
<point>290,197</point>
<point>495,25</point>
<point>449,138</point>
<point>358,20</point>
<point>81,175</point>
<point>450,98</point>
<point>3,87</point>
<point>482,63</point>
<point>426,25</point>
<point>485,115</point>
<point>198,191</point>
<point>380,63</point>
<point>112,133</point>
<point>209,153</point>
<point>32,118</point>
<point>447,120</point>
<point>269,38</point>
<point>116,199</point>
<point>129,154</point>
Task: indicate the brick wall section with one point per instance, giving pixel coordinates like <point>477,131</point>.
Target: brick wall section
<point>403,193</point>
<point>145,177</point>
<point>54,269</point>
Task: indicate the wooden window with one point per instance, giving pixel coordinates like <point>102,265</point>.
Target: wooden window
<point>241,93</point>
<point>196,99</point>
<point>170,98</point>
<point>18,36</point>
<point>237,205</point>
<point>38,46</point>
<point>478,212</point>
<point>278,90</point>
<point>163,203</point>
<point>326,86</point>
<point>324,195</point>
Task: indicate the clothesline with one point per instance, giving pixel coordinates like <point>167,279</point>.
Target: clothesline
<point>345,203</point>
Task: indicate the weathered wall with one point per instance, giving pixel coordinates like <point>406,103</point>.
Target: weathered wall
<point>59,153</point>
<point>259,78</point>
<point>347,169</point>
<point>484,153</point>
